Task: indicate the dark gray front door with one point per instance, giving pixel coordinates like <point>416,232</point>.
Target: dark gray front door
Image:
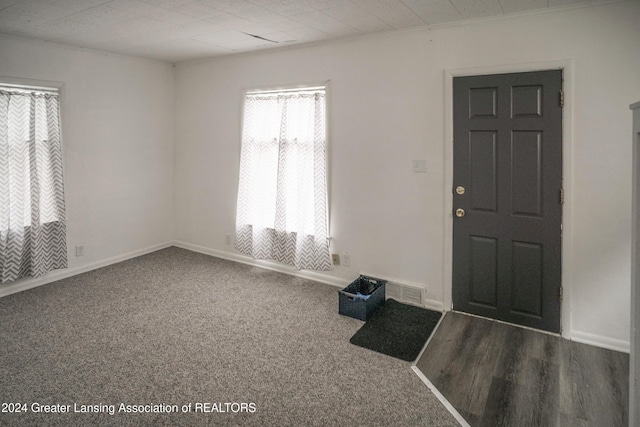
<point>507,182</point>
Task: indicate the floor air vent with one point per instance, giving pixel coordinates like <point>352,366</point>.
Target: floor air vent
<point>406,294</point>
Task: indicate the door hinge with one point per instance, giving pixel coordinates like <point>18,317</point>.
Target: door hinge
<point>560,294</point>
<point>562,196</point>
<point>561,99</point>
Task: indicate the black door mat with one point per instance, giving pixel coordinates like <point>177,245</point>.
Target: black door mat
<point>397,330</point>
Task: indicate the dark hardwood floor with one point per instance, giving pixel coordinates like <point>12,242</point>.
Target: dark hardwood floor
<point>497,374</point>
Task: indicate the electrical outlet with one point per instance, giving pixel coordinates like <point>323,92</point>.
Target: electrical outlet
<point>79,250</point>
<point>228,239</point>
<point>346,259</point>
<point>336,259</point>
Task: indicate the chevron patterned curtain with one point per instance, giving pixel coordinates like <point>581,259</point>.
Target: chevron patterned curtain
<point>32,225</point>
<point>282,194</point>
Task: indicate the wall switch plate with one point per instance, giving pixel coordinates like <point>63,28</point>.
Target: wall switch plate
<point>346,259</point>
<point>79,250</point>
<point>335,258</point>
<point>419,166</point>
<point>227,238</point>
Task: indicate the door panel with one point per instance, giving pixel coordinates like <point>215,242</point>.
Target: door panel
<point>526,189</point>
<point>484,273</point>
<point>526,270</point>
<point>526,101</point>
<point>483,102</point>
<point>508,158</point>
<point>483,161</point>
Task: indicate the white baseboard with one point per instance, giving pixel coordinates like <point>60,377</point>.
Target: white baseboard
<point>430,304</point>
<point>433,304</point>
<point>25,284</point>
<point>268,265</point>
<point>600,341</point>
<point>306,274</point>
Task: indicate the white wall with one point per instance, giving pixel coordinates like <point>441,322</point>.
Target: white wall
<point>117,129</point>
<point>387,108</point>
<point>634,365</point>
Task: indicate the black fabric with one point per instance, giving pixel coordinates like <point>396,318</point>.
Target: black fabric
<point>397,330</point>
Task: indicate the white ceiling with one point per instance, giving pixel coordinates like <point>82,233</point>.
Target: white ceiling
<point>178,30</point>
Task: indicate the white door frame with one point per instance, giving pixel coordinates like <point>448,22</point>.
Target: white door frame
<point>567,174</point>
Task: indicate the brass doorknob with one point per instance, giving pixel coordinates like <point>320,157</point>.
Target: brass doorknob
<point>460,212</point>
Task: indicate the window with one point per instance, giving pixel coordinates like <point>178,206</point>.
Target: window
<point>32,227</point>
<point>282,194</point>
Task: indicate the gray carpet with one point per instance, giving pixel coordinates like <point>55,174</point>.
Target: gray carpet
<point>177,327</point>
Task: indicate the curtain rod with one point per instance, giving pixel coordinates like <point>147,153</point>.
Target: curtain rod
<point>29,89</point>
<point>298,89</point>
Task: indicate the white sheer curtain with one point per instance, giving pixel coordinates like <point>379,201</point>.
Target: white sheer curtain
<point>32,223</point>
<point>282,194</point>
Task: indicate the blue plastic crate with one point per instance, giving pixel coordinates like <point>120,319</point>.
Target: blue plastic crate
<point>352,305</point>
